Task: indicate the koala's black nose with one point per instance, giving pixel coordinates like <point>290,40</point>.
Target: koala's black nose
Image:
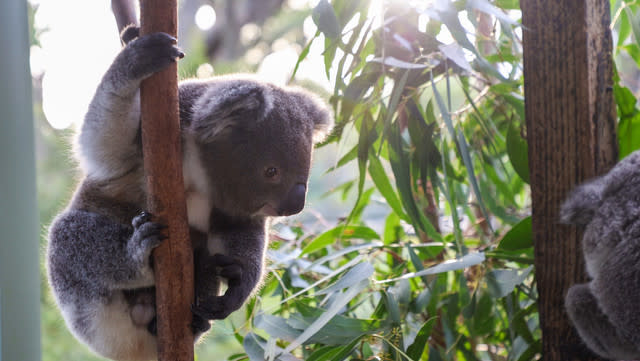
<point>294,202</point>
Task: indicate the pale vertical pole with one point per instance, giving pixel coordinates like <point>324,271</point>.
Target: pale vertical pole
<point>19,226</point>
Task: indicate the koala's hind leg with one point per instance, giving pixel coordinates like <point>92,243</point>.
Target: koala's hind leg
<point>594,327</point>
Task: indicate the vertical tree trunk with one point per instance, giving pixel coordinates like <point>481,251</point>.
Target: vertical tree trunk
<point>571,132</point>
<point>161,142</point>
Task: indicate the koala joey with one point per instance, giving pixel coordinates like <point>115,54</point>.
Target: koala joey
<point>247,149</point>
<point>604,310</point>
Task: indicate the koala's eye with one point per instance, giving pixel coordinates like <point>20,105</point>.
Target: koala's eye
<point>271,172</point>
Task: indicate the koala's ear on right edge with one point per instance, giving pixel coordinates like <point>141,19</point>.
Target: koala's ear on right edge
<point>582,203</point>
<point>224,107</point>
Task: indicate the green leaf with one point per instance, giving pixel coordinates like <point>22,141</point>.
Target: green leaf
<point>401,169</point>
<point>346,349</point>
<point>463,148</point>
<point>338,303</point>
<point>508,4</point>
<point>501,282</point>
<point>380,179</point>
<point>519,236</point>
<point>393,231</point>
<point>518,151</point>
<point>628,135</point>
<point>325,353</point>
<point>624,30</point>
<point>468,260</point>
<point>337,233</point>
<point>325,19</point>
<point>625,100</point>
<point>416,349</point>
<point>254,346</point>
<point>361,271</point>
<point>635,27</point>
<point>276,327</point>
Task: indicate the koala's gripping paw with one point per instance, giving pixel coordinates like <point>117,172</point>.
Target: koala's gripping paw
<point>213,307</point>
<point>150,53</point>
<point>199,326</point>
<point>146,236</point>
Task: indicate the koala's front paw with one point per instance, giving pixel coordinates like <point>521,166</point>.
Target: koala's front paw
<point>146,236</point>
<point>150,53</point>
<point>213,307</point>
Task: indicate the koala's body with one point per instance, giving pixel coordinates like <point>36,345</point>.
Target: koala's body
<point>246,155</point>
<point>605,310</point>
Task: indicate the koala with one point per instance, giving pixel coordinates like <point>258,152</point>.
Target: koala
<point>604,310</point>
<point>247,148</point>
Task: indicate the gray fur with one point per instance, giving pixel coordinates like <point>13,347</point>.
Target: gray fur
<point>235,131</point>
<point>604,311</point>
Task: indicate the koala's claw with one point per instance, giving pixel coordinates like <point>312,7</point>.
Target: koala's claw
<point>214,310</point>
<point>146,236</point>
<point>150,53</point>
<point>152,327</point>
<point>199,324</point>
<point>228,268</point>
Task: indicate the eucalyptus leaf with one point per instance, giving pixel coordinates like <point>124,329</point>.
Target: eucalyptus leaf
<point>519,236</point>
<point>518,151</point>
<point>501,282</point>
<point>416,349</point>
<point>337,233</point>
<point>468,260</point>
<point>454,52</point>
<point>358,273</point>
<point>344,298</point>
<point>325,19</point>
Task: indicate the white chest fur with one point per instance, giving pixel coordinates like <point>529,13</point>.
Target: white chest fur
<point>196,186</point>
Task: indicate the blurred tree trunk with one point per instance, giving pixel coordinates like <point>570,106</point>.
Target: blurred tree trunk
<point>571,122</point>
<point>223,41</point>
<point>19,243</point>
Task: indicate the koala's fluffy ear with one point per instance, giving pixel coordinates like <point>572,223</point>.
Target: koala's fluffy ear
<point>582,203</point>
<point>239,104</point>
<point>317,110</point>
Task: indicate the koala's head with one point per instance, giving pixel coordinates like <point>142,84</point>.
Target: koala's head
<point>255,142</point>
<point>614,190</point>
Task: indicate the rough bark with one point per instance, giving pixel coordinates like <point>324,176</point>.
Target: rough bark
<point>173,260</point>
<point>571,132</point>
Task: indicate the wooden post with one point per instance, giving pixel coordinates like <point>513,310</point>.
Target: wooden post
<point>161,144</point>
<point>571,132</point>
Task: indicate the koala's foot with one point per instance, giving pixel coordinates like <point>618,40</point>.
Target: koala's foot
<point>594,327</point>
<point>147,235</point>
<point>149,54</point>
<point>208,304</point>
<point>198,326</point>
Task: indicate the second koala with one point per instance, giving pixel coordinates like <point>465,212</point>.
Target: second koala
<point>247,149</point>
<point>604,310</point>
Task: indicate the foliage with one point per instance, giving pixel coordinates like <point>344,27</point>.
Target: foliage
<point>435,132</point>
<point>627,52</point>
<point>430,116</point>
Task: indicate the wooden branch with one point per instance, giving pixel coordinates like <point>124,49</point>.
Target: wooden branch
<point>571,132</point>
<point>124,12</point>
<point>161,143</point>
